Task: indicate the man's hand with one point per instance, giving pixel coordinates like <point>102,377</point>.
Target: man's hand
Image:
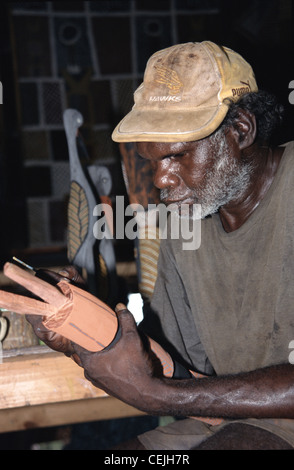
<point>123,370</point>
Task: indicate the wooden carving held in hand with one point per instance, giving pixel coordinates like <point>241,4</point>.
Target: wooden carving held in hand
<point>66,309</point>
<point>71,312</point>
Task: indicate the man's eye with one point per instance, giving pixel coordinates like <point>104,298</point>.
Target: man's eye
<point>179,155</point>
<point>174,156</point>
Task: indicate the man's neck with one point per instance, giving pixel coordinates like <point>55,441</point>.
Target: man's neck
<point>235,213</point>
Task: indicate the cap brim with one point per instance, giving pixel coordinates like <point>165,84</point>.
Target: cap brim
<point>167,126</point>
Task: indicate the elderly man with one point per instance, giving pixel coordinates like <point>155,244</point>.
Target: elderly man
<point>226,308</point>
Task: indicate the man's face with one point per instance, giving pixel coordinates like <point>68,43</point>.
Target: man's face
<point>205,172</point>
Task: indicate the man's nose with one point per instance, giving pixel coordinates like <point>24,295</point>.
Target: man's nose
<point>164,175</point>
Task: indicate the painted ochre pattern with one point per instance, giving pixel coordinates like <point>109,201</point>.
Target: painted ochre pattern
<point>148,252</point>
<point>78,219</point>
<point>103,281</point>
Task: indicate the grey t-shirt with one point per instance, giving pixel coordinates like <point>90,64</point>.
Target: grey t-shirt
<point>228,306</point>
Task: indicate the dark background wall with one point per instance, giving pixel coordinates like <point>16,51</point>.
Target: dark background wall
<point>91,56</point>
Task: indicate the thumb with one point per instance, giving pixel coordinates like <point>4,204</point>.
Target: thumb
<point>125,318</point>
<point>120,307</point>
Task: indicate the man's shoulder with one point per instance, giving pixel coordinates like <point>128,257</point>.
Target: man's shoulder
<point>285,173</point>
<point>288,150</point>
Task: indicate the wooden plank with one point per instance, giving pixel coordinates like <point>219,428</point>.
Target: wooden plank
<point>36,379</point>
<point>41,388</point>
<point>58,414</point>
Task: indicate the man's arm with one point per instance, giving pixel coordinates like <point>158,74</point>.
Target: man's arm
<point>125,371</point>
<point>264,393</point>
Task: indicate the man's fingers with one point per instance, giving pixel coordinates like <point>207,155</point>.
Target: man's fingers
<point>72,274</point>
<point>125,318</point>
<point>120,307</point>
<point>49,276</point>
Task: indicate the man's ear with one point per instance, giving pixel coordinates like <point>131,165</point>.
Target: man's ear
<point>245,129</point>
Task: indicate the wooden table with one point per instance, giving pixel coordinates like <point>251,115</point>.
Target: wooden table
<point>41,388</point>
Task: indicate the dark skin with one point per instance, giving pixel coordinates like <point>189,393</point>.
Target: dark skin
<point>125,371</point>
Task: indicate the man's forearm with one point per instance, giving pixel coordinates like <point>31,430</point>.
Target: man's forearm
<point>126,372</point>
<point>264,393</point>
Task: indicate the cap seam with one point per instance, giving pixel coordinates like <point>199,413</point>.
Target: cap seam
<point>168,133</point>
<point>216,63</point>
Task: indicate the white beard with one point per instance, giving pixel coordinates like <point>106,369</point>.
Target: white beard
<point>226,181</point>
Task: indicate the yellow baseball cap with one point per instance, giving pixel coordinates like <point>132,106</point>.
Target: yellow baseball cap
<point>185,94</point>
